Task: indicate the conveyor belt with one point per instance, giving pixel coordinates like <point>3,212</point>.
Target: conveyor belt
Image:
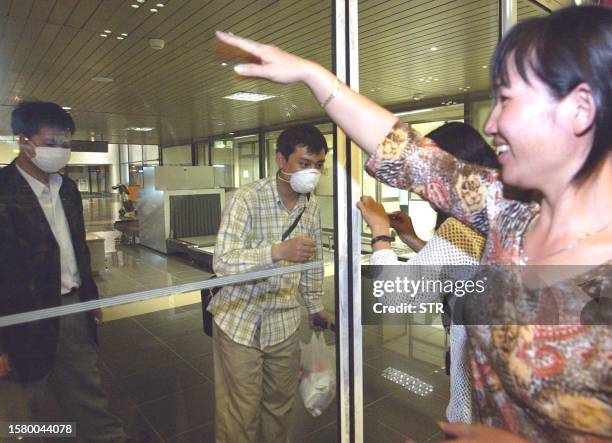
<point>199,249</point>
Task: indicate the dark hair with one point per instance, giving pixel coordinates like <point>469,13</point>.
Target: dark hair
<point>29,117</point>
<point>300,135</point>
<point>464,142</point>
<point>570,46</point>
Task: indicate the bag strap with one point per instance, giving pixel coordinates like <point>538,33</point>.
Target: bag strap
<point>289,230</point>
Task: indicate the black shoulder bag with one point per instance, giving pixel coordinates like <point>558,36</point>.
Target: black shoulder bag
<point>208,294</point>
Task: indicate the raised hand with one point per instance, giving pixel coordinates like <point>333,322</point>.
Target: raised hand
<point>402,223</point>
<point>374,215</point>
<point>268,61</point>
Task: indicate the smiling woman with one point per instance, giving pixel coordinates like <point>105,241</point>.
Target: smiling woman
<point>551,124</point>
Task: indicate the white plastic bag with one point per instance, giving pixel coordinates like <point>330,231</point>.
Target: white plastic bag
<point>318,374</point>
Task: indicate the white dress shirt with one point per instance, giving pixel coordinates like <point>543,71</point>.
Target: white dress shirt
<point>51,204</point>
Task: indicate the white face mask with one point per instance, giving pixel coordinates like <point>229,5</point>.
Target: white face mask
<point>49,159</point>
<point>304,181</point>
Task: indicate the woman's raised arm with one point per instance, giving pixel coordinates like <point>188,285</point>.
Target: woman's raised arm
<point>364,121</point>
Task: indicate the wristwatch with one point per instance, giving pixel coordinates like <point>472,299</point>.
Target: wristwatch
<point>381,238</point>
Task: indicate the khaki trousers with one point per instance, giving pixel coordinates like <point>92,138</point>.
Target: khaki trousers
<point>254,389</point>
<point>74,382</point>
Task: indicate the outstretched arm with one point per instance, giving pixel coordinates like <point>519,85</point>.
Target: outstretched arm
<point>364,121</point>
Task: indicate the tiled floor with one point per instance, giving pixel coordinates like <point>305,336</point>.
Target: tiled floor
<point>157,366</point>
<point>158,369</point>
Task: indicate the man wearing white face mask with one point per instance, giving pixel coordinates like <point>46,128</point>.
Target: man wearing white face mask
<point>45,263</point>
<point>272,222</point>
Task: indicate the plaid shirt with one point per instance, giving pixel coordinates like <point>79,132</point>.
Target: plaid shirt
<point>254,219</point>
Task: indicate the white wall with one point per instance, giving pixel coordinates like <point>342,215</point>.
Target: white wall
<point>8,152</point>
<point>100,158</point>
<point>177,155</point>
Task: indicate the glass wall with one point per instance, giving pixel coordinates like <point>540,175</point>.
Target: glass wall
<point>132,158</point>
<point>90,180</point>
<point>151,252</point>
<point>435,58</point>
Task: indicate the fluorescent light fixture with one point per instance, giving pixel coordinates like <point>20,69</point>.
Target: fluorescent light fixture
<point>108,31</point>
<point>249,96</point>
<point>434,48</point>
<point>140,128</point>
<point>153,10</point>
<point>245,136</point>
<point>418,111</point>
<point>160,5</point>
<point>218,166</point>
<point>66,108</point>
<point>102,79</point>
<point>135,6</point>
<point>408,382</point>
<point>103,35</point>
<point>120,38</point>
<point>124,34</point>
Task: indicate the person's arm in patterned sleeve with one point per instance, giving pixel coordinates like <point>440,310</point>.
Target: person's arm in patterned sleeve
<point>232,256</point>
<point>407,160</point>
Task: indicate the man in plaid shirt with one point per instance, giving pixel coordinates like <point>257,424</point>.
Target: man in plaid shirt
<point>255,338</point>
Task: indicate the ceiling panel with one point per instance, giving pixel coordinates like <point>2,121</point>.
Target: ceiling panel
<point>51,50</point>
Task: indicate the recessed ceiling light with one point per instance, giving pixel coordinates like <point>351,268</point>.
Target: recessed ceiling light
<point>66,108</point>
<point>108,31</point>
<point>484,66</point>
<point>140,1</point>
<point>249,96</point>
<point>153,10</point>
<point>124,34</point>
<point>434,48</point>
<point>140,128</point>
<point>135,6</point>
<point>435,79</point>
<point>160,5</point>
<point>102,79</point>
<point>223,64</point>
<point>103,35</point>
<point>120,38</point>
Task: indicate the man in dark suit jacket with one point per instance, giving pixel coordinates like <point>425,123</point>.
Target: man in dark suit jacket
<point>44,263</point>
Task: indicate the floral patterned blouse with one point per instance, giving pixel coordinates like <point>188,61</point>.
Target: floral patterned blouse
<point>546,383</point>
